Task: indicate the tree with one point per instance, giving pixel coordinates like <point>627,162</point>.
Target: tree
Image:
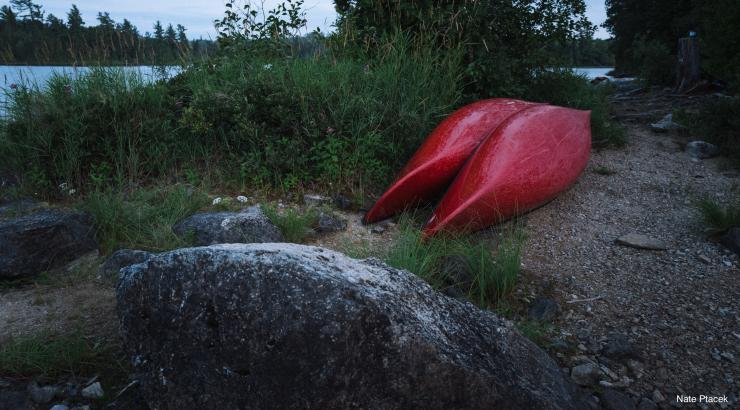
<point>7,15</point>
<point>74,19</point>
<point>181,37</point>
<point>27,9</point>
<point>105,22</point>
<point>170,35</point>
<point>158,31</point>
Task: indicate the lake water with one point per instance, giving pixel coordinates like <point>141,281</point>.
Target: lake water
<point>40,74</point>
<point>593,72</point>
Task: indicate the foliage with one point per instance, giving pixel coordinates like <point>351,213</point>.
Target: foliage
<point>52,356</point>
<point>264,122</point>
<point>31,37</point>
<point>656,64</point>
<point>655,26</point>
<point>717,121</point>
<point>105,128</point>
<point>582,52</point>
<point>503,40</point>
<point>295,225</point>
<point>719,219</point>
<point>562,87</point>
<point>141,219</point>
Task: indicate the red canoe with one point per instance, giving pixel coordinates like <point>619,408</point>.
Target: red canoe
<point>443,153</point>
<point>531,158</point>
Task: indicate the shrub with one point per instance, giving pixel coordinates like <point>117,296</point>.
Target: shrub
<point>563,87</point>
<point>276,122</point>
<point>718,122</point>
<point>656,62</point>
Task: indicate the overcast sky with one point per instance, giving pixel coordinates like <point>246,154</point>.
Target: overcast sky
<point>198,15</point>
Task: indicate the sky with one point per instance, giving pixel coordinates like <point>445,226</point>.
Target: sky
<point>198,15</point>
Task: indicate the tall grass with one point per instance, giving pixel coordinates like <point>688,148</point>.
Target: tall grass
<point>719,219</point>
<point>493,268</point>
<point>296,226</point>
<point>279,122</point>
<point>52,356</point>
<point>142,219</point>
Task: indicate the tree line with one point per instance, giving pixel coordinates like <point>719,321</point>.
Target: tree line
<point>646,36</point>
<point>28,35</point>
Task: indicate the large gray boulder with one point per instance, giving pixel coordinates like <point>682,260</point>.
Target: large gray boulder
<point>119,260</point>
<point>285,326</point>
<point>249,225</point>
<point>43,240</point>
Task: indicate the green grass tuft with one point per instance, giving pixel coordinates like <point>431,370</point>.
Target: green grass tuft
<point>295,225</point>
<point>494,268</point>
<point>142,219</point>
<point>53,356</point>
<point>719,219</point>
<point>602,170</point>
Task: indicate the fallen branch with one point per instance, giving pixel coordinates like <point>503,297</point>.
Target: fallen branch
<point>584,300</point>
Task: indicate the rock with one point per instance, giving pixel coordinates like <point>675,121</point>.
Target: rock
<point>249,225</point>
<point>41,394</point>
<point>731,240</point>
<point>669,146</point>
<point>701,150</point>
<point>342,202</point>
<point>377,229</point>
<point>454,292</point>
<point>93,391</point>
<point>666,124</point>
<point>314,200</point>
<point>13,400</point>
<point>618,346</point>
<point>329,223</point>
<point>641,242</point>
<point>120,259</point>
<point>599,80</point>
<point>543,309</point>
<point>238,323</point>
<point>615,400</point>
<point>586,374</point>
<point>59,407</point>
<point>456,271</point>
<point>43,240</point>
<point>21,206</point>
<point>647,404</point>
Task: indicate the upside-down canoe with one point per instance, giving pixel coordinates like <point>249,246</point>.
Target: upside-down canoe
<point>435,164</point>
<point>533,156</point>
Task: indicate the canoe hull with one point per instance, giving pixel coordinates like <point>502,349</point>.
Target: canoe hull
<point>442,155</point>
<point>532,157</point>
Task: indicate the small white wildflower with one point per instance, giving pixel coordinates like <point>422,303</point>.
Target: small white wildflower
<point>72,192</point>
<point>217,201</point>
<point>267,66</point>
<point>242,198</point>
<point>63,186</point>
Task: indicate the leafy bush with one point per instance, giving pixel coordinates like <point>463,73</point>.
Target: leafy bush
<point>275,123</point>
<point>656,62</point>
<point>567,89</point>
<point>718,122</point>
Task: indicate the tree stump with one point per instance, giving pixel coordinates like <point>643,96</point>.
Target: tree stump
<point>689,71</point>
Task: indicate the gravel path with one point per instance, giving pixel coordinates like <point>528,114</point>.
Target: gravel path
<point>678,309</point>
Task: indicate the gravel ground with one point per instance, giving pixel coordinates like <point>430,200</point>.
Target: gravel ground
<point>678,309</point>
